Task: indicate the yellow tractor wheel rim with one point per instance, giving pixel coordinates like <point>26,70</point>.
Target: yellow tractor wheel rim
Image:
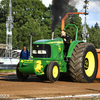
<point>89,64</point>
<point>55,71</point>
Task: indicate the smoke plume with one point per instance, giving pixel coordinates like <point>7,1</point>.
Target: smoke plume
<point>59,9</point>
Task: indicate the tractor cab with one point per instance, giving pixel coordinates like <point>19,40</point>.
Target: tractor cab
<point>67,39</point>
<point>52,49</point>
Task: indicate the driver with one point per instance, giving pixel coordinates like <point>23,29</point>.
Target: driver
<point>66,38</point>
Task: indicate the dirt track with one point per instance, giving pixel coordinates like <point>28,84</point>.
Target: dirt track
<point>33,87</point>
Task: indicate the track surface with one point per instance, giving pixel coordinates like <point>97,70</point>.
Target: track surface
<point>34,88</point>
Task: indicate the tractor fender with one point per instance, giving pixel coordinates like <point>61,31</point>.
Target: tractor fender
<point>71,47</point>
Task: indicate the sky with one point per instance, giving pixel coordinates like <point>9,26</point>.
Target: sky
<point>94,10</point>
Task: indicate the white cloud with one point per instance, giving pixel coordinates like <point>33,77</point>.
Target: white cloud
<point>47,2</point>
<point>94,12</point>
<point>79,5</point>
<point>94,6</point>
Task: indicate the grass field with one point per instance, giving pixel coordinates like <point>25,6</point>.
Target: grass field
<point>7,70</point>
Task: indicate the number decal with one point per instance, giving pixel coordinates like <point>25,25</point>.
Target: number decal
<point>4,95</point>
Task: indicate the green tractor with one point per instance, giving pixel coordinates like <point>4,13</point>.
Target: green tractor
<point>50,60</point>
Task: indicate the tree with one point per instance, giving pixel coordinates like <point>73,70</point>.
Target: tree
<point>96,26</point>
<point>27,18</point>
<point>94,36</point>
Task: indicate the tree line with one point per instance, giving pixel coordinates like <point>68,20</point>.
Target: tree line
<point>31,16</point>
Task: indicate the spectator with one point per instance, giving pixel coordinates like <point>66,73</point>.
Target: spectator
<point>24,53</point>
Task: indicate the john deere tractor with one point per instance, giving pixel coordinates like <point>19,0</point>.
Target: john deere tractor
<point>50,60</point>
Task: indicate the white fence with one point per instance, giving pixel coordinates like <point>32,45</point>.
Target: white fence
<point>8,63</point>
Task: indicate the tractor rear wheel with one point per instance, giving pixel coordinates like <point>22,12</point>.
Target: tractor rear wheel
<point>53,71</point>
<point>83,63</point>
<point>21,76</point>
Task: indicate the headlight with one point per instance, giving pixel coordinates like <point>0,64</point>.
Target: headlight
<point>42,52</point>
<point>34,52</point>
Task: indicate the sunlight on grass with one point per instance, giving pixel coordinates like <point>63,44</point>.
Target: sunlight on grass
<point>7,70</point>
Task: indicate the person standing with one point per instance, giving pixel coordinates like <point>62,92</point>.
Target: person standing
<point>24,53</point>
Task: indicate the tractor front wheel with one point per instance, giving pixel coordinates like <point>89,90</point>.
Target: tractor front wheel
<point>83,63</point>
<point>53,71</point>
<point>21,76</point>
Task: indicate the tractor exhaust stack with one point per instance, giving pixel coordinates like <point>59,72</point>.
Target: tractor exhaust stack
<point>52,35</point>
<point>63,20</point>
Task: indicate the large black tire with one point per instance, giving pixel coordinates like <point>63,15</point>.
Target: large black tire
<point>83,64</point>
<point>21,76</point>
<point>53,71</point>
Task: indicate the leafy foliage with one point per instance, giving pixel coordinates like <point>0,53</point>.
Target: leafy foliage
<point>94,36</point>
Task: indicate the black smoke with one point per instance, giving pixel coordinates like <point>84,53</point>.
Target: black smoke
<point>58,10</point>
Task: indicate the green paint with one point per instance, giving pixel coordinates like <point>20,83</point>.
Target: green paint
<point>26,66</point>
<point>38,67</point>
<point>37,45</point>
<point>57,47</point>
<point>71,48</point>
<point>76,29</point>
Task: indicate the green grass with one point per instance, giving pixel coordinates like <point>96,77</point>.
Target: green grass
<point>7,70</point>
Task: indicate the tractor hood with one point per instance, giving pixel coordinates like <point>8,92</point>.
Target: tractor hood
<point>49,41</point>
<point>48,49</point>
